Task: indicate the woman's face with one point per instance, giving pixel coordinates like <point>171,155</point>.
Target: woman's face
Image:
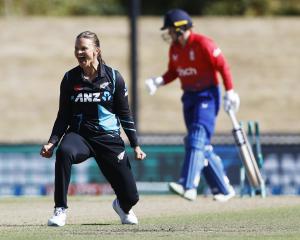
<point>85,52</point>
<point>172,33</point>
<point>181,38</point>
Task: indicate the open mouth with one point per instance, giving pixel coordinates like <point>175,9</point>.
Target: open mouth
<point>81,59</point>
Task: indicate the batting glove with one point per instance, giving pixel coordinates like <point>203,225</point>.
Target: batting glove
<point>153,83</point>
<point>231,101</point>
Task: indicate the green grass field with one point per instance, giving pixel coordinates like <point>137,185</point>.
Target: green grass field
<point>161,217</point>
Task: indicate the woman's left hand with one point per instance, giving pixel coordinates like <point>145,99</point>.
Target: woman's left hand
<point>139,154</point>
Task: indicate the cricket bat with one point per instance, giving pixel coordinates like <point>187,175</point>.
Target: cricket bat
<point>245,150</point>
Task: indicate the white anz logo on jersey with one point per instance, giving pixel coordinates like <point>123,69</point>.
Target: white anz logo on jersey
<point>184,72</point>
<point>87,97</point>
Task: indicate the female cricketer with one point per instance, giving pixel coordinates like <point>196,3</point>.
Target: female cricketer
<point>93,105</point>
<point>196,61</point>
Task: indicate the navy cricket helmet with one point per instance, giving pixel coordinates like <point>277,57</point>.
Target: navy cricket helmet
<point>178,19</point>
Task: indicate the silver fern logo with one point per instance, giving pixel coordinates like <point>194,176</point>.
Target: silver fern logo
<point>121,156</point>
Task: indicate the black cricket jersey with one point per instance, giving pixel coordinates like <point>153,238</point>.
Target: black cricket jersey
<point>93,108</point>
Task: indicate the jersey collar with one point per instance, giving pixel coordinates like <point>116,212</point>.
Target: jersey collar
<point>191,38</point>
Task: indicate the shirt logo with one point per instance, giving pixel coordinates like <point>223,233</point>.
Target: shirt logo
<point>125,90</point>
<point>192,55</point>
<point>106,96</point>
<point>121,156</point>
<point>216,52</point>
<point>87,97</point>
<point>175,57</point>
<point>204,105</point>
<point>104,85</point>
<point>78,87</point>
<point>184,72</point>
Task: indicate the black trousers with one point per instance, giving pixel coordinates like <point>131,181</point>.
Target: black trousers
<point>109,152</point>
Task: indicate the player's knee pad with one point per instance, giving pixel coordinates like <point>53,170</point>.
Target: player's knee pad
<point>212,157</point>
<point>194,156</point>
<point>214,173</point>
<point>196,137</point>
<point>191,169</point>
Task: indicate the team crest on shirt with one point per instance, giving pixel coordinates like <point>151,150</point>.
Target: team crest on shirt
<point>192,55</point>
<point>175,57</point>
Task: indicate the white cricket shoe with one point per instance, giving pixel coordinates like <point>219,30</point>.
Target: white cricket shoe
<point>129,218</point>
<point>59,217</point>
<point>225,198</point>
<point>190,194</point>
<point>176,188</point>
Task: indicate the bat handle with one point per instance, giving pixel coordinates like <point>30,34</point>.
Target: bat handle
<point>233,119</point>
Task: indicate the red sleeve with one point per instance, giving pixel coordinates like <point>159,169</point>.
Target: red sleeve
<point>219,63</point>
<point>171,74</point>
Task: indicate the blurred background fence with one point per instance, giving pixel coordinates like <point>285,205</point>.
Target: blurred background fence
<point>24,172</point>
